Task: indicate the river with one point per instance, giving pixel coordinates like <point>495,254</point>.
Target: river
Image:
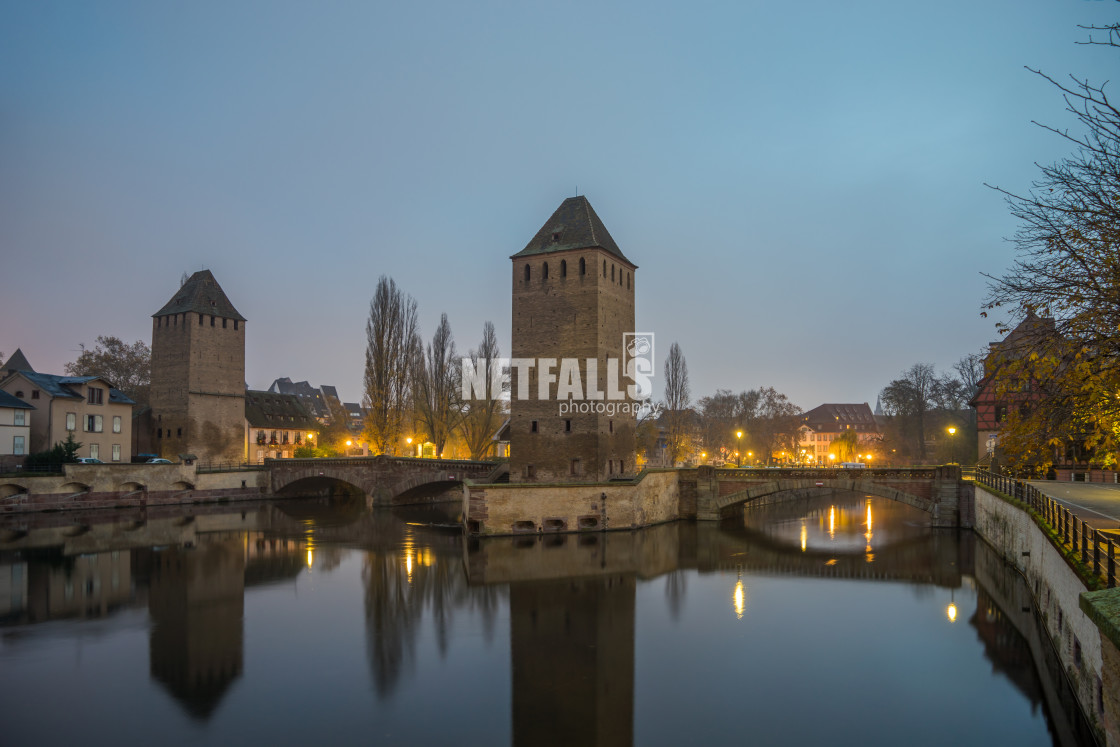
<point>839,620</point>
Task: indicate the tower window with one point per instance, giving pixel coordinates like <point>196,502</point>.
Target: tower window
<point>627,281</point>
<point>527,273</point>
<point>582,266</point>
<point>533,427</point>
<point>611,425</point>
<point>211,320</point>
<point>612,273</point>
<point>567,426</point>
<point>577,467</point>
<point>546,270</point>
<point>563,268</point>
<point>604,268</point>
<point>555,238</point>
<point>224,320</point>
<point>235,324</point>
<point>200,320</point>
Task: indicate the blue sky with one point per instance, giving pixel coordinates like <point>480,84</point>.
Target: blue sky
<point>801,184</point>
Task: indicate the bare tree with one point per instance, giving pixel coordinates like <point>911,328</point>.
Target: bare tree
<point>484,414</point>
<point>127,367</point>
<point>776,425</point>
<point>437,387</point>
<point>392,343</point>
<point>677,415</point>
<point>1068,270</point>
<point>909,398</point>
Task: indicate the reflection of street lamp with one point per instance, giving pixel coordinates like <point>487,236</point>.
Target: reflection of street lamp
<point>739,435</point>
<point>750,457</point>
<point>951,610</point>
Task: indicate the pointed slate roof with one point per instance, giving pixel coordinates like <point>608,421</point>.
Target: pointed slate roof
<point>201,294</point>
<point>574,225</point>
<point>18,362</point>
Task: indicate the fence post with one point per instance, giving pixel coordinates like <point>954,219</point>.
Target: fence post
<point>1096,552</point>
<point>1111,564</point>
<point>1065,527</point>
<point>1084,543</point>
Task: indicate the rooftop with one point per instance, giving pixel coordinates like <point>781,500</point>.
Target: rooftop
<point>201,294</point>
<point>574,225</point>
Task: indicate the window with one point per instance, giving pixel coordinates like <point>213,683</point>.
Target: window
<point>116,452</point>
<point>224,320</point>
<point>577,467</point>
<point>612,273</point>
<point>235,324</point>
<point>94,424</point>
<point>211,320</point>
<point>179,432</point>
<point>533,427</point>
<point>95,395</point>
<point>527,273</point>
<point>20,417</point>
<point>546,270</point>
<point>555,238</point>
<point>34,394</point>
<point>94,450</point>
<point>611,424</point>
<point>604,268</point>
<point>17,446</point>
<point>19,393</point>
<point>116,424</point>
<point>200,320</point>
<point>563,268</point>
<point>567,426</point>
<point>582,266</point>
<point>159,433</point>
<point>627,281</point>
<point>1001,413</point>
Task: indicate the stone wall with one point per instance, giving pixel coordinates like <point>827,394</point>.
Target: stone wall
<point>1057,590</point>
<point>531,509</point>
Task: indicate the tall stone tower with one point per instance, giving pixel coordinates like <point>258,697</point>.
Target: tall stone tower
<point>573,297</point>
<point>198,374</point>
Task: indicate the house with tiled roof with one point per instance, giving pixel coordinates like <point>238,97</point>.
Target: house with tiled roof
<point>824,424</point>
<point>276,425</point>
<point>15,429</point>
<point>97,414</point>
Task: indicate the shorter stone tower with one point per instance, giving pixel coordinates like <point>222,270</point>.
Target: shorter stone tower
<point>198,374</point>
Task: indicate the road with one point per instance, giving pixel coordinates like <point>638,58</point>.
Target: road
<point>1096,503</point>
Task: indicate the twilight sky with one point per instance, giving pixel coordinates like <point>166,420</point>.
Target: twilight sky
<point>800,184</point>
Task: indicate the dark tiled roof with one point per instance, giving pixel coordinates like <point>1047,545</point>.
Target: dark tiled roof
<point>313,398</point>
<point>829,417</point>
<point>17,362</point>
<point>272,410</point>
<point>64,386</point>
<point>574,225</point>
<point>8,400</point>
<point>202,294</point>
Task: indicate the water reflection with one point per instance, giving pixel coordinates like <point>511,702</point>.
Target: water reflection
<point>570,601</point>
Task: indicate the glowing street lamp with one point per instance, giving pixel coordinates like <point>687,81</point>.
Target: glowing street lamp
<point>409,442</point>
<point>952,444</point>
<point>739,435</point>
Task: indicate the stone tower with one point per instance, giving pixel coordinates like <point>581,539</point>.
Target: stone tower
<point>573,297</point>
<point>198,374</point>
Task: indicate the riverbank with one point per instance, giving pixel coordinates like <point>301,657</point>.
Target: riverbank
<point>1086,642</point>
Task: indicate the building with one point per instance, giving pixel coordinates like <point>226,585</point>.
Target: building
<point>824,424</point>
<point>198,374</point>
<point>992,401</point>
<point>573,298</point>
<point>15,430</point>
<point>99,416</point>
<point>312,397</point>
<point>276,425</point>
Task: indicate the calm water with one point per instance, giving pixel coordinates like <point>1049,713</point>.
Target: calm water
<point>832,621</point>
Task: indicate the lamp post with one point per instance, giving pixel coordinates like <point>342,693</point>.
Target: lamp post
<point>409,442</point>
<point>952,444</point>
<point>738,459</point>
<point>750,457</point>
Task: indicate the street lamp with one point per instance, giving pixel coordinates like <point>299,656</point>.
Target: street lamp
<point>738,462</point>
<point>750,457</point>
<point>409,442</point>
<point>952,444</point>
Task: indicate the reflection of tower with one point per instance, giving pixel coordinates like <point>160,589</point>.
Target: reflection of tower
<point>572,646</point>
<point>196,603</point>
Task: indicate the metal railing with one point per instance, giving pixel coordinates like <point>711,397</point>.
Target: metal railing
<point>1067,531</point>
<point>201,467</point>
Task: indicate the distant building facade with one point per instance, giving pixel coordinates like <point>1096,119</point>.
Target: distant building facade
<point>573,297</point>
<point>276,425</point>
<point>15,429</point>
<point>824,424</point>
<point>89,407</point>
<point>198,374</point>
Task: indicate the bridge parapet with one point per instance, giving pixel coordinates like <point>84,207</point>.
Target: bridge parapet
<point>382,479</point>
<point>934,490</point>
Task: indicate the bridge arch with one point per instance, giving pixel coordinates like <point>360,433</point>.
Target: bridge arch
<point>777,490</point>
<point>8,489</point>
<point>317,483</point>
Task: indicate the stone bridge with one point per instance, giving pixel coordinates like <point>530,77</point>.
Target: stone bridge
<point>382,480</point>
<point>935,490</point>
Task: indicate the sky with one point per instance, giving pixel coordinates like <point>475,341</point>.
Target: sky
<point>802,185</point>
